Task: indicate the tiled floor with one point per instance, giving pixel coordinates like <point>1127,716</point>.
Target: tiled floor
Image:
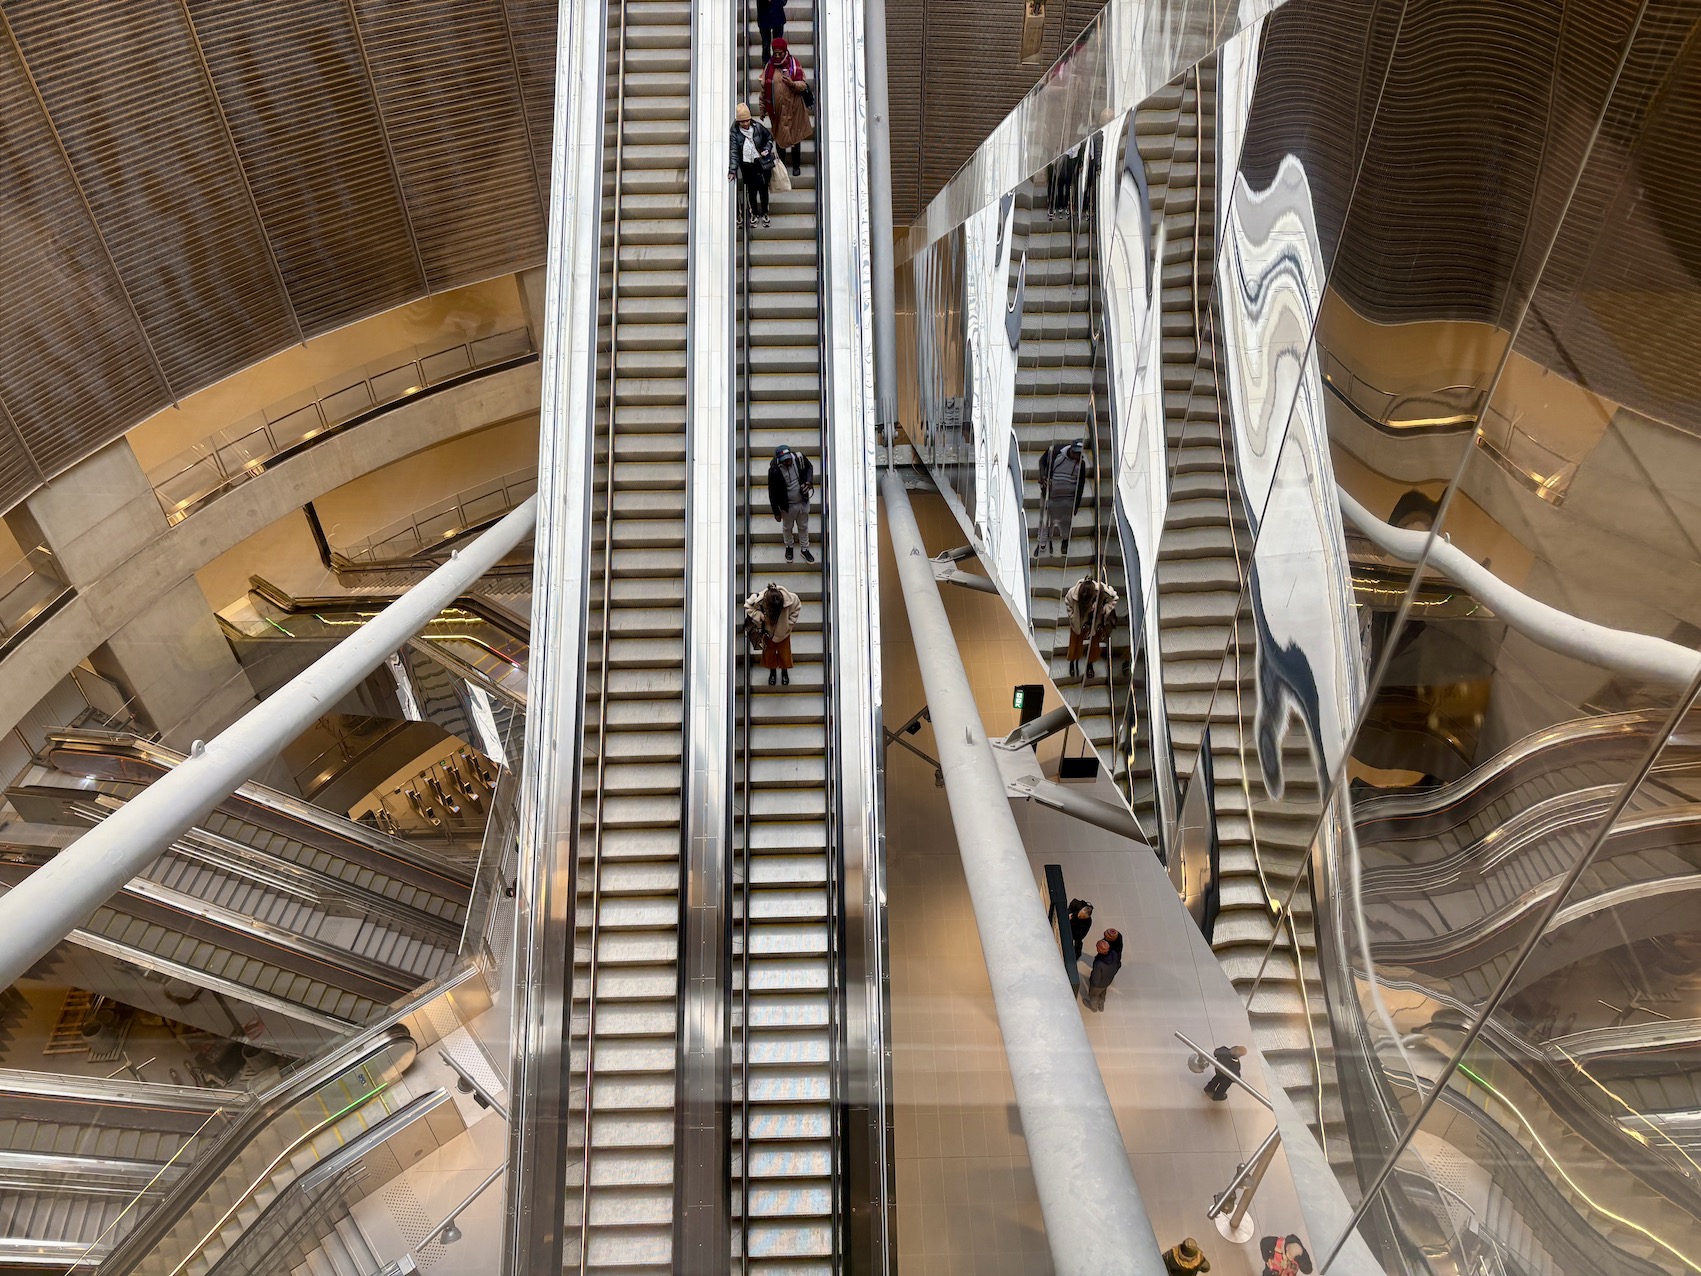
<point>966,1201</point>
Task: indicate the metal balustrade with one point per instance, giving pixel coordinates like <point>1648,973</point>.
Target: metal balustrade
<point>238,453</point>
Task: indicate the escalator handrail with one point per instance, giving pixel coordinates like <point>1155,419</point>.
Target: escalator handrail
<point>498,618</point>
<point>1633,727</point>
<point>265,1107</point>
<point>124,745</point>
<point>116,1091</point>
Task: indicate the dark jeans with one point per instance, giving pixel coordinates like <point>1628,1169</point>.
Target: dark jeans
<point>756,188</point>
<point>768,34</point>
<point>1218,1087</point>
<point>793,156</point>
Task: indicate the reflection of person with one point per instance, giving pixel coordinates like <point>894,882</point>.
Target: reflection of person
<point>791,484</point>
<point>1063,172</point>
<point>1062,483</point>
<point>1091,607</point>
<point>752,156</point>
<point>1105,966</point>
<point>1284,1256</point>
<point>771,17</point>
<point>1179,1260</point>
<point>1229,1056</point>
<point>783,87</point>
<point>1080,922</point>
<point>769,618</point>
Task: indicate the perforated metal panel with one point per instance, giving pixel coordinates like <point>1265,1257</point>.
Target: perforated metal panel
<point>188,186</point>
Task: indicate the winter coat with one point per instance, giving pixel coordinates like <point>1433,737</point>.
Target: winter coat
<point>777,482</point>
<point>1103,619</point>
<point>1078,925</point>
<point>1105,966</point>
<point>1175,1264</point>
<point>764,140</point>
<point>771,14</point>
<point>1062,475</point>
<point>779,630</point>
<point>784,106</point>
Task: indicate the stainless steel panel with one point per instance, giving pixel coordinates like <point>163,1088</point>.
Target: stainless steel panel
<point>703,1118</point>
<point>549,809</point>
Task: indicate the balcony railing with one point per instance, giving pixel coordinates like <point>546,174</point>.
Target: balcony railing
<point>236,454</point>
<point>30,590</point>
<point>444,520</point>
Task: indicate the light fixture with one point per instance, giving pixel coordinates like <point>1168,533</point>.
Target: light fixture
<point>450,1233</point>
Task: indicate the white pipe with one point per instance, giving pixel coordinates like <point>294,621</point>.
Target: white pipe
<point>1638,655</point>
<point>1094,1221</point>
<point>880,219</point>
<point>61,895</point>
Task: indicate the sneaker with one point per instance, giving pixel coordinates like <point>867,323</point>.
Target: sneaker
<point>808,557</point>
<point>788,554</point>
<point>766,220</point>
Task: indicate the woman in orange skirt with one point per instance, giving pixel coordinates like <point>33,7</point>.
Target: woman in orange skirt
<point>769,618</point>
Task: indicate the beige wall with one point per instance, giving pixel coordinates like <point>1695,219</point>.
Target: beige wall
<point>432,323</point>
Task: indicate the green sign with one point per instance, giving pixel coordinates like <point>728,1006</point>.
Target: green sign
<point>1017,702</point>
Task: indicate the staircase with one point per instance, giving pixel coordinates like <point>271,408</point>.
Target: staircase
<point>783,967</point>
<point>625,976</point>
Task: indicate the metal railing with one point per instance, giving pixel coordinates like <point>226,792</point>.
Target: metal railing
<point>442,520</point>
<point>241,451</point>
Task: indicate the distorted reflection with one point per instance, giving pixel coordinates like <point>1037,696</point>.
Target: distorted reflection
<point>1352,504</point>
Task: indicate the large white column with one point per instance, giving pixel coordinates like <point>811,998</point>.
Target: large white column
<point>1094,1221</point>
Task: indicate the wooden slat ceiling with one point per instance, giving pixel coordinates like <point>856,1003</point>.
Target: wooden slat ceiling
<point>188,186</point>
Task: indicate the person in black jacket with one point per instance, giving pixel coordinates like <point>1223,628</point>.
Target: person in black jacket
<point>751,154</point>
<point>771,18</point>
<point>791,483</point>
<point>1229,1056</point>
<point>1105,966</point>
<point>1080,922</point>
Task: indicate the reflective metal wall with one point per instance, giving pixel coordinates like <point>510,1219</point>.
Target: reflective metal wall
<point>1377,329</point>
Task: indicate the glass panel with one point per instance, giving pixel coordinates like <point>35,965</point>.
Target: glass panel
<point>446,363</point>
<point>500,346</point>
<point>394,383</point>
<point>252,448</point>
<point>346,403</point>
<point>298,425</point>
<point>187,486</point>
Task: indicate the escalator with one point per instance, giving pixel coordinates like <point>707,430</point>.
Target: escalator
<point>276,909</point>
<point>75,1153</point>
<point>784,1196</point>
<point>624,1012</point>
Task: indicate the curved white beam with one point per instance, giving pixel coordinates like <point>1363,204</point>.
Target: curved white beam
<point>1620,650</point>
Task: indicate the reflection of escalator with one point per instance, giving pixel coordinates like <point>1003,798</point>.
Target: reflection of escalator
<point>284,1140</point>
<point>272,908</point>
<point>76,1152</point>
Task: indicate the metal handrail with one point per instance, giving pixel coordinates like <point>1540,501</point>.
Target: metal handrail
<point>603,662</point>
<point>747,672</point>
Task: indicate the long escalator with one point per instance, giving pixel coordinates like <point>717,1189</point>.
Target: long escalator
<point>625,974</point>
<point>785,971</point>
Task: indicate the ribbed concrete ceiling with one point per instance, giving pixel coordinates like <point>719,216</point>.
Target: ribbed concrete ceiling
<point>188,186</point>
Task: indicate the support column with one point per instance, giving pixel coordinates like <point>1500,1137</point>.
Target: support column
<point>171,657</point>
<point>1094,1220</point>
<point>880,221</point>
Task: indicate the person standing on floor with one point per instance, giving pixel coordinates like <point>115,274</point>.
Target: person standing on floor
<point>771,17</point>
<point>1080,923</point>
<point>1091,608</point>
<point>1185,1258</point>
<point>1105,966</point>
<point>1229,1056</point>
<point>1062,482</point>
<point>752,157</point>
<point>791,484</point>
<point>769,619</point>
<point>786,100</point>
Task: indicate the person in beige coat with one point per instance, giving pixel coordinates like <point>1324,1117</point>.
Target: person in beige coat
<point>769,618</point>
<point>1091,607</point>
